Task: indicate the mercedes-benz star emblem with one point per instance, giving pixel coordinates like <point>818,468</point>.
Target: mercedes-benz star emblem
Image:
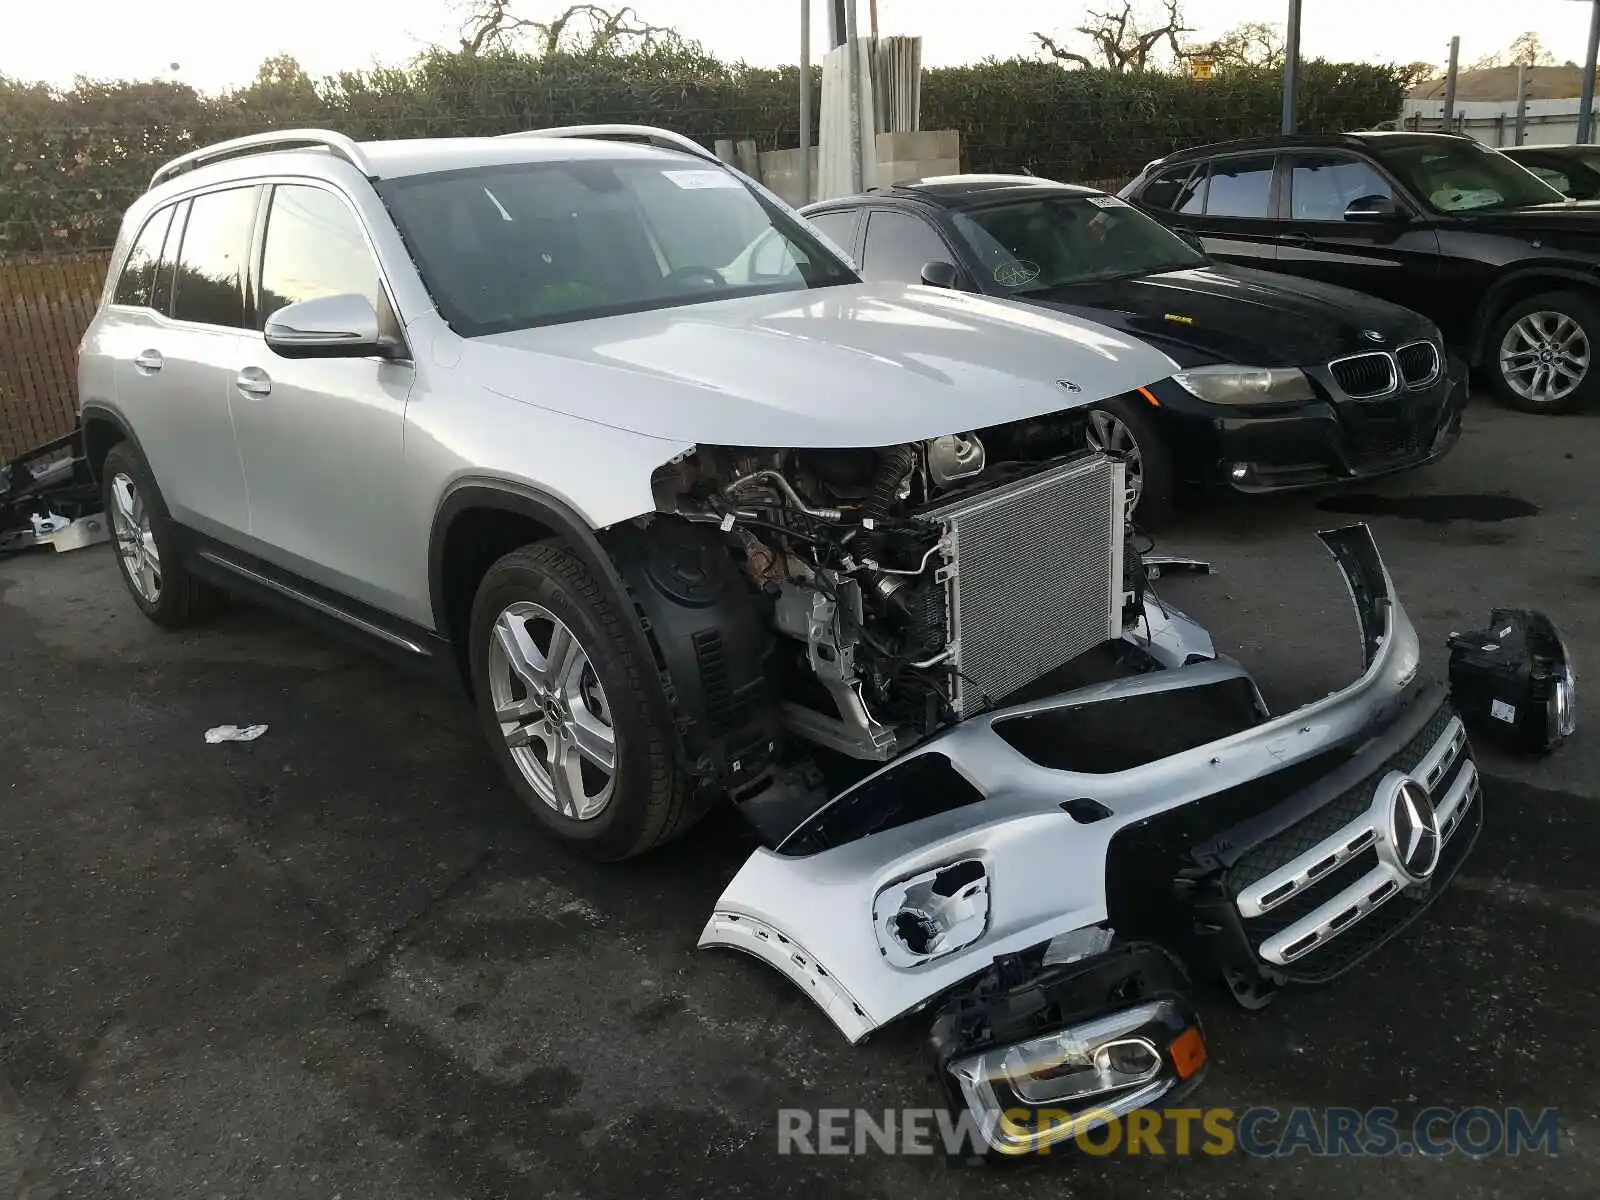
<point>1413,828</point>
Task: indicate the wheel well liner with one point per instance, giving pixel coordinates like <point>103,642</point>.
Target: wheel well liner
<point>102,429</point>
<point>1516,287</point>
<point>481,519</point>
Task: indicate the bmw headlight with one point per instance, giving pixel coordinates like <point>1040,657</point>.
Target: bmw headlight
<point>1247,385</point>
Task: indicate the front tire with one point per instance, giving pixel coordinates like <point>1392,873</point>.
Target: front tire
<point>572,715</point>
<point>1124,426</point>
<point>1541,353</point>
<point>141,538</point>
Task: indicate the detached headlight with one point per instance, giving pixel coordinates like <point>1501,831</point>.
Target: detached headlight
<point>1034,1093</point>
<point>1514,682</point>
<point>1247,385</point>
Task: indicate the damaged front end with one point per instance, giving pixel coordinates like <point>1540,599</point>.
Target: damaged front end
<point>1028,873</point>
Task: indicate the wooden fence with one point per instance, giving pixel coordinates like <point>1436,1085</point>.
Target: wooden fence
<point>45,305</point>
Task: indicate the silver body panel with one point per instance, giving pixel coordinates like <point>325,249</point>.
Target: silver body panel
<point>1046,873</point>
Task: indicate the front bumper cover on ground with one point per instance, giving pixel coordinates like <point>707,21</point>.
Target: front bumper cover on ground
<point>892,914</point>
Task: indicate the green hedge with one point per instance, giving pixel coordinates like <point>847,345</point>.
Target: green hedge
<point>71,160</point>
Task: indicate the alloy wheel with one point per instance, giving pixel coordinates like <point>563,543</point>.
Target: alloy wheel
<point>1544,357</point>
<point>552,711</point>
<point>136,541</point>
<point>1109,435</point>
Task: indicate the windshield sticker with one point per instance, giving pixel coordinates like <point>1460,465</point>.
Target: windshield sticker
<point>1107,202</point>
<point>711,178</point>
<point>1016,273</point>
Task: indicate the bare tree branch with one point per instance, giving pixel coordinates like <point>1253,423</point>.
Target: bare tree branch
<point>584,30</point>
<point>1121,37</point>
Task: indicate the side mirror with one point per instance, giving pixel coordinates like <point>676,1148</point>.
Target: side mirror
<point>1374,208</point>
<point>941,274</point>
<point>328,327</point>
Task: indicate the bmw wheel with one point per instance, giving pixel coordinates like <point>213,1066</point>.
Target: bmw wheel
<point>1543,353</point>
<point>578,724</point>
<point>1122,426</point>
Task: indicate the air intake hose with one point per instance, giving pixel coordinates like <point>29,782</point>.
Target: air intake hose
<point>893,466</point>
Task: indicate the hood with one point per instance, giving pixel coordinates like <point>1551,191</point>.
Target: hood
<point>1223,313</point>
<point>847,366</point>
<point>1576,216</point>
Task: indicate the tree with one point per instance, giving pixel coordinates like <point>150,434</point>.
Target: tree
<point>581,30</point>
<point>1249,44</point>
<point>1124,39</point>
<point>1525,50</point>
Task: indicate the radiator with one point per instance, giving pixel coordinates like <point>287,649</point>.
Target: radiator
<point>1032,576</point>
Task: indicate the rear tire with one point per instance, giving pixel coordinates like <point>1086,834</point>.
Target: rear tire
<point>1542,353</point>
<point>147,553</point>
<point>559,689</point>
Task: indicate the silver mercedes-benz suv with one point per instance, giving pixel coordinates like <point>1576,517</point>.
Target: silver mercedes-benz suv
<point>591,420</point>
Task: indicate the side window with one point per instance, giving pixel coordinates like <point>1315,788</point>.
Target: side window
<point>1240,187</point>
<point>314,247</point>
<point>837,227</point>
<point>139,272</point>
<point>1180,190</point>
<point>216,241</point>
<point>1322,186</point>
<point>167,268</point>
<point>1552,175</point>
<point>899,246</point>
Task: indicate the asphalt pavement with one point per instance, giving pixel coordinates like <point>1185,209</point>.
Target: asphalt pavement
<point>338,962</point>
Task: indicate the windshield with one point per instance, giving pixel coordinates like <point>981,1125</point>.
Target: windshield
<point>1463,176</point>
<point>511,247</point>
<point>1053,241</point>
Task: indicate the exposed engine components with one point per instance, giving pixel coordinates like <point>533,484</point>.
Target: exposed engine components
<point>850,557</point>
<point>955,457</point>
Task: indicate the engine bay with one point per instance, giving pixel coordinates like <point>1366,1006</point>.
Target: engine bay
<point>909,587</point>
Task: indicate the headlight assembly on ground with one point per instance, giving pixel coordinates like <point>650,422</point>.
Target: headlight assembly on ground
<point>1084,1075</point>
<point>1247,385</point>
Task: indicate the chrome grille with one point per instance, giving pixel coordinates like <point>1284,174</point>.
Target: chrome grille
<point>1032,576</point>
<point>1327,881</point>
<point>1363,376</point>
<point>1419,363</point>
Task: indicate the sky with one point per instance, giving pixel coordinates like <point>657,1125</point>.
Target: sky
<point>215,47</point>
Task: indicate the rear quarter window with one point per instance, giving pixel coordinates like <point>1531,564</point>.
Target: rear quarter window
<point>137,281</point>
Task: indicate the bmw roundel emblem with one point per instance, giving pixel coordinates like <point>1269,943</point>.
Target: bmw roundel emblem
<point>1372,335</point>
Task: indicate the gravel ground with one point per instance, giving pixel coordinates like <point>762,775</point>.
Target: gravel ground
<point>338,962</point>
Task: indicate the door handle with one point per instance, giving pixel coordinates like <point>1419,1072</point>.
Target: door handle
<point>1296,237</point>
<point>253,381</point>
<point>148,361</point>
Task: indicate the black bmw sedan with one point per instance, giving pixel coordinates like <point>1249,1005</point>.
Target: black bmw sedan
<point>1279,383</point>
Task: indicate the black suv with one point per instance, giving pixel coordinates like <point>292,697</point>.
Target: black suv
<point>1507,266</point>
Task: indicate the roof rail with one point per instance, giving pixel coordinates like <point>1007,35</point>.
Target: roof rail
<point>665,138</point>
<point>256,143</point>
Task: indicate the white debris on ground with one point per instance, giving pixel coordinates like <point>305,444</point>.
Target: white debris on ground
<point>234,733</point>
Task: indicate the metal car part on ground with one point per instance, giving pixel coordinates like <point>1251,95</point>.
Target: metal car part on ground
<point>48,497</point>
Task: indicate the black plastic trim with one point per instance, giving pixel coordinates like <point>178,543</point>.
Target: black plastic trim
<point>361,624</point>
